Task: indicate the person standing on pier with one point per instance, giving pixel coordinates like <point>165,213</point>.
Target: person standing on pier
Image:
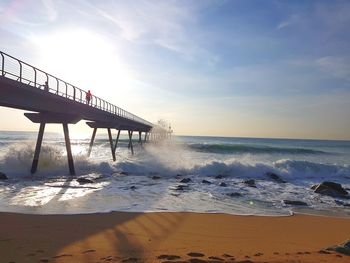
<point>46,86</point>
<point>88,97</point>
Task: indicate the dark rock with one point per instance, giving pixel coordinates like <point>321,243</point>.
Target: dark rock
<point>275,177</point>
<point>205,182</point>
<point>178,175</point>
<point>347,244</point>
<point>181,187</point>
<point>83,180</point>
<point>330,189</point>
<point>340,202</point>
<point>223,184</point>
<point>234,194</point>
<point>133,187</point>
<point>186,180</point>
<point>155,177</point>
<point>343,248</point>
<point>250,183</point>
<point>3,176</point>
<point>219,176</point>
<point>124,173</point>
<point>291,202</point>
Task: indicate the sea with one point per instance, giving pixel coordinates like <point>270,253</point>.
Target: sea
<point>181,174</point>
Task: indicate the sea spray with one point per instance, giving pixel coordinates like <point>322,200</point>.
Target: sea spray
<point>52,161</point>
<point>150,180</point>
<point>19,157</point>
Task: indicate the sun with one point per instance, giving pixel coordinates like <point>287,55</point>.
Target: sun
<point>83,58</point>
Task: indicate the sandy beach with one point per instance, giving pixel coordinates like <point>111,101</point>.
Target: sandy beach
<point>169,237</point>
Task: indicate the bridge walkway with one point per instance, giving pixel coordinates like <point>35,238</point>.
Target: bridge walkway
<point>53,100</point>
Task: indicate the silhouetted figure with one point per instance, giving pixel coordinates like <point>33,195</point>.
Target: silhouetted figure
<point>46,86</point>
<point>88,97</point>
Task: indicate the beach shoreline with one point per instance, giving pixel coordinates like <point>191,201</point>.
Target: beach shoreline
<point>154,237</point>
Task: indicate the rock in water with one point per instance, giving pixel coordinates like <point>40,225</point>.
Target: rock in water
<point>234,194</point>
<point>223,184</point>
<point>155,177</point>
<point>205,182</point>
<point>330,188</point>
<point>291,202</point>
<point>275,177</point>
<point>250,183</point>
<point>3,176</point>
<point>83,180</point>
<point>186,180</point>
<point>220,176</point>
<point>340,202</point>
<point>181,187</point>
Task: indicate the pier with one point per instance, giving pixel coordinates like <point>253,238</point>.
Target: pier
<point>53,100</point>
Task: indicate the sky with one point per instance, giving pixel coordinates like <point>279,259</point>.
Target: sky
<point>239,68</point>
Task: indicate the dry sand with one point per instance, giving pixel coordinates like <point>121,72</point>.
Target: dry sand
<point>153,237</point>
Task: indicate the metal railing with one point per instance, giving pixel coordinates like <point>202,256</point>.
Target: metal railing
<point>18,70</point>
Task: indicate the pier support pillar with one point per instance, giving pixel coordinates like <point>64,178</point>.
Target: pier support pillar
<point>92,141</point>
<point>38,148</point>
<point>140,139</point>
<point>58,118</point>
<point>130,142</point>
<point>69,149</point>
<point>145,139</point>
<point>111,143</point>
<point>116,142</point>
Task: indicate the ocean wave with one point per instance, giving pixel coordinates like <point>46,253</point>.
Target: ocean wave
<point>149,180</point>
<point>239,148</point>
<point>288,170</point>
<point>168,163</point>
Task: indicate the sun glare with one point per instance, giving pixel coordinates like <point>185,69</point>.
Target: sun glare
<point>83,58</point>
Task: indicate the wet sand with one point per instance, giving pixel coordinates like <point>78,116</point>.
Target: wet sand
<point>170,237</point>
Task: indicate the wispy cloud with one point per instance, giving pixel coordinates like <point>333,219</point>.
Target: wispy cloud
<point>292,20</point>
<point>20,16</point>
<point>51,11</point>
<point>165,24</point>
<point>339,67</point>
<point>150,19</point>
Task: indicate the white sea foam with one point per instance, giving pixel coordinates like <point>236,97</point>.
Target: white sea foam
<point>52,190</point>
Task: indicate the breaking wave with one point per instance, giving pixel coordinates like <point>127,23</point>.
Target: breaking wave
<point>229,149</point>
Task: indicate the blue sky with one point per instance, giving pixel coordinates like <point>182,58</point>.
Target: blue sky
<point>230,68</point>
